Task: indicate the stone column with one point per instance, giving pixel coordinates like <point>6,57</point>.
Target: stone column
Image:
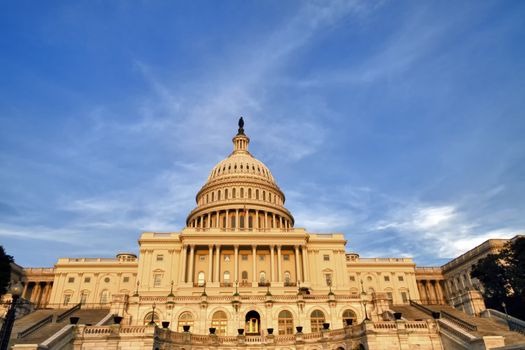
<point>227,219</point>
<point>272,258</point>
<point>237,219</point>
<point>201,225</point>
<point>25,290</point>
<point>305,264</point>
<point>217,262</point>
<point>297,267</point>
<point>183,252</point>
<point>209,220</point>
<point>218,220</point>
<point>273,220</point>
<point>256,219</point>
<point>192,262</point>
<point>210,263</point>
<point>236,263</point>
<point>254,265</point>
<point>279,270</point>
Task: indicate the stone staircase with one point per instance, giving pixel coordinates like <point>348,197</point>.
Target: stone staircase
<point>89,316</point>
<point>486,326</point>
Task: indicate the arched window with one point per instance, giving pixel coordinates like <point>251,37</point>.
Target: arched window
<point>241,221</point>
<point>287,278</point>
<point>104,296</point>
<point>244,276</point>
<point>226,194</point>
<point>316,320</point>
<point>233,193</point>
<point>349,315</point>
<point>147,318</point>
<point>219,321</point>
<point>250,222</point>
<point>256,194</point>
<point>219,195</point>
<point>200,278</point>
<point>83,296</point>
<point>285,322</point>
<point>226,276</point>
<point>264,195</point>
<point>212,196</point>
<point>185,319</point>
<point>242,192</point>
<point>250,193</point>
<point>262,277</point>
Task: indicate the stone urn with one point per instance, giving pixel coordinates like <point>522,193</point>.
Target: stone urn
<point>326,326</point>
<point>74,320</point>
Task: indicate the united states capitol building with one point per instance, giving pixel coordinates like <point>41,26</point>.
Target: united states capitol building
<point>240,275</point>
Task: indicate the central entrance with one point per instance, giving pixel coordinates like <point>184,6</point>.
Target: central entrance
<point>252,325</point>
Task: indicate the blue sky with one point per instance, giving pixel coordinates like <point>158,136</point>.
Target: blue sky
<point>398,123</point>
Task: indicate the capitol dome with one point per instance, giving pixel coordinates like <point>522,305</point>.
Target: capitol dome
<point>240,194</point>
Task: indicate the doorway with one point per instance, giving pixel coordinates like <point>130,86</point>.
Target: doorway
<point>253,323</point>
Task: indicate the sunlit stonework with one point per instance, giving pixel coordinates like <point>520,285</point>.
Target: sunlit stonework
<point>240,275</point>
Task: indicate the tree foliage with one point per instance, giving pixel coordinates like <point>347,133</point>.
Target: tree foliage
<point>5,270</point>
<point>503,278</point>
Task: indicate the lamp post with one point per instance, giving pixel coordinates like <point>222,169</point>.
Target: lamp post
<point>363,295</point>
<point>152,322</point>
<point>16,291</point>
<point>506,313</point>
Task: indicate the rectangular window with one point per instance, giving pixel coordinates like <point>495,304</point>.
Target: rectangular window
<point>202,257</point>
<point>87,279</point>
<point>71,280</point>
<point>328,279</point>
<point>390,298</point>
<point>400,278</point>
<point>83,298</point>
<point>157,280</point>
<point>160,257</point>
<point>387,278</point>
<point>226,258</point>
<point>244,257</point>
<point>286,257</point>
<point>404,297</point>
<point>125,279</point>
<point>326,257</point>
<point>67,298</point>
<point>352,278</point>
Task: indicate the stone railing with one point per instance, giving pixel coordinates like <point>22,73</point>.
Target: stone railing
<point>456,320</point>
<point>515,324</point>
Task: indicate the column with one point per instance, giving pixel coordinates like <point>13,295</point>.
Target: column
<point>280,221</point>
<point>209,220</point>
<point>265,220</point>
<point>236,263</point>
<point>217,220</point>
<point>227,219</point>
<point>237,219</point>
<point>297,268</point>
<point>256,225</point>
<point>279,271</point>
<point>272,258</point>
<point>201,225</point>
<point>25,290</point>
<point>192,262</point>
<point>273,220</point>
<point>182,274</point>
<point>210,263</point>
<point>306,271</point>
<point>217,262</point>
<point>254,264</point>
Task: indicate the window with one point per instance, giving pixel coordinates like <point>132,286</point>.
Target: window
<point>104,297</point>
<point>326,257</point>
<point>200,279</point>
<point>316,320</point>
<point>87,279</point>
<point>328,279</point>
<point>185,319</point>
<point>287,278</point>
<point>160,257</point>
<point>352,278</point>
<point>150,315</point>
<point>242,192</point>
<point>244,276</point>
<point>390,297</point>
<point>262,277</point>
<point>285,322</point>
<point>261,257</point>
<point>233,193</point>
<point>67,299</point>
<point>157,280</point>
<point>226,276</point>
<point>286,257</point>
<point>404,297</point>
<point>400,278</point>
<point>349,315</point>
<point>244,257</point>
<point>84,296</point>
<point>106,279</point>
<point>387,278</point>
<point>226,258</point>
<point>219,321</point>
<point>71,280</point>
<point>202,257</point>
<point>125,279</point>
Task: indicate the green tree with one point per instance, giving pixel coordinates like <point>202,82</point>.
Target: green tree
<point>503,278</point>
<point>5,270</point>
